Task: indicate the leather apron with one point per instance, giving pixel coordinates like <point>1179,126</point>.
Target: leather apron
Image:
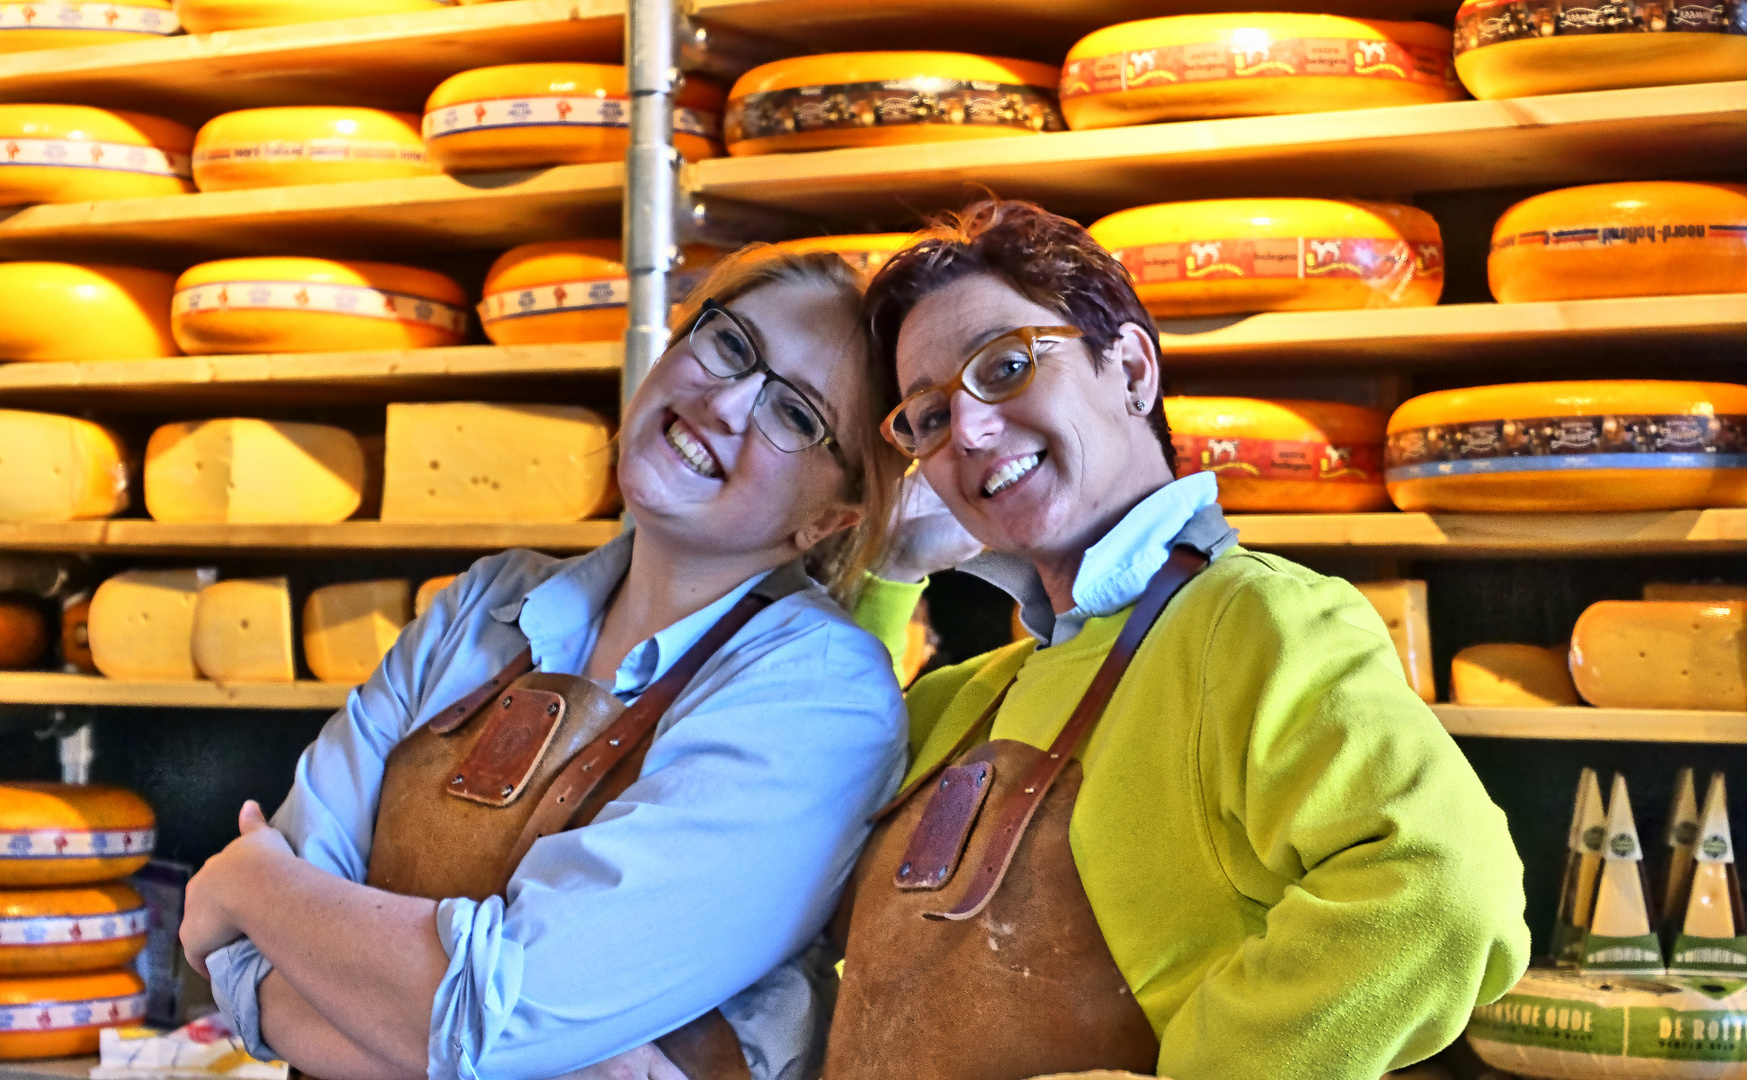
<point>973,952</point>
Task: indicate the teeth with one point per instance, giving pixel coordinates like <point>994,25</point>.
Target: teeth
<point>1010,473</point>
<point>692,451</point>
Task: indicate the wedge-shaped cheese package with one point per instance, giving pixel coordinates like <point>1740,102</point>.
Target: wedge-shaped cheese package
<point>141,624</point>
<point>347,629</point>
<point>242,631</point>
<point>1621,936</point>
<point>242,471</point>
<point>476,461</point>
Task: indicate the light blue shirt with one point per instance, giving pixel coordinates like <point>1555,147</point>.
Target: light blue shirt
<point>707,879</point>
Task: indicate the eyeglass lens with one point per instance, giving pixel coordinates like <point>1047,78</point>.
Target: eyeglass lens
<point>999,371</point>
<point>787,419</point>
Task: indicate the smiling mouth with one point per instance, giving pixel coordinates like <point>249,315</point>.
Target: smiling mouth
<point>1011,473</point>
<point>694,453</point>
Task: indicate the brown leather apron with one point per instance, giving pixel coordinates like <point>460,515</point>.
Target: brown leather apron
<point>973,952</point>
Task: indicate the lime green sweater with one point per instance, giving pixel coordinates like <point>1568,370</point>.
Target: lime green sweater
<point>1295,868</point>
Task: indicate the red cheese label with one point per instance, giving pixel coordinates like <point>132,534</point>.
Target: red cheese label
<point>1250,54</point>
<point>1279,459</point>
<point>1281,257</point>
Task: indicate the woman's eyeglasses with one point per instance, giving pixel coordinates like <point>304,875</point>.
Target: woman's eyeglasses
<point>786,415</point>
<point>1000,370</point>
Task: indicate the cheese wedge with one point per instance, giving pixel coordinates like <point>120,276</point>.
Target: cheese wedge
<point>74,929</point>
<point>476,461</point>
<point>63,312</point>
<point>24,635</point>
<point>348,629</point>
<point>1713,932</point>
<point>43,1016</point>
<point>211,16</point>
<point>76,635</point>
<point>1681,837</point>
<point>1282,455</point>
<point>1583,863</point>
<point>291,145</point>
<point>253,471</point>
<point>72,24</point>
<point>142,624</point>
<point>1666,654</point>
<point>1620,938</point>
<point>59,468</point>
<point>1402,606</point>
<point>71,834</point>
<point>75,153</point>
<point>1512,675</point>
<point>427,594</point>
<point>242,631</point>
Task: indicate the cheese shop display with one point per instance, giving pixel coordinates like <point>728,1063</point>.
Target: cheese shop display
<point>75,153</point>
<point>1680,836</point>
<point>1647,238</point>
<point>478,461</point>
<point>1662,654</point>
<point>253,471</point>
<point>1712,937</point>
<point>65,312</point>
<point>1189,67</point>
<point>285,146</point>
<point>554,291</point>
<point>264,305</point>
<point>1402,607</point>
<point>427,594</point>
<point>62,1015</point>
<point>24,635</point>
<point>242,631</point>
<point>1316,456</point>
<point>1583,861</point>
<point>208,16</point>
<point>1221,256</point>
<point>71,834</point>
<point>1620,936</point>
<point>59,468</point>
<point>527,116</point>
<point>1511,675</point>
<point>142,624</point>
<point>886,99</point>
<point>349,628</point>
<point>866,252</point>
<point>61,24</point>
<point>1610,445</point>
<point>84,928</point>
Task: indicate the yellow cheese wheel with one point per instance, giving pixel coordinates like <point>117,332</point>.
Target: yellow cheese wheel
<point>62,1015</point>
<point>59,311</point>
<point>27,25</point>
<point>269,305</point>
<point>887,98</point>
<point>59,468</point>
<point>74,153</point>
<point>142,624</point>
<point>1662,654</point>
<point>78,929</point>
<point>1282,455</point>
<point>281,147</point>
<point>1629,444</point>
<point>71,834</point>
<point>1658,238</point>
<point>1221,256</point>
<point>207,16</point>
<point>24,635</point>
<point>526,116</point>
<point>482,461</point>
<point>1506,674</point>
<point>254,472</point>
<point>556,290</point>
<point>866,252</point>
<point>1186,67</point>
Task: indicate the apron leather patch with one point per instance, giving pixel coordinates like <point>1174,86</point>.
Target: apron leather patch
<point>938,842</point>
<point>518,729</point>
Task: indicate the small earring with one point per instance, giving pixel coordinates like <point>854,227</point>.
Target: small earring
<point>1139,405</point>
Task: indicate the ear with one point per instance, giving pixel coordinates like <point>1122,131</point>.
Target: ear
<point>827,524</point>
<point>1137,357</point>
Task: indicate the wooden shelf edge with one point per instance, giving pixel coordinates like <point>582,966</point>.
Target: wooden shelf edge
<point>75,1068</point>
<point>137,536</point>
<point>1498,535</point>
<point>54,688</point>
<point>1624,725</point>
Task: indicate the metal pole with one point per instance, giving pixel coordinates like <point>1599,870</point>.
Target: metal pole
<point>649,184</point>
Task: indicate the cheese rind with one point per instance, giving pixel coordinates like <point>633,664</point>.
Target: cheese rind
<point>24,635</point>
<point>349,628</point>
<point>52,312</point>
<point>132,20</point>
<point>1637,654</point>
<point>142,624</point>
<point>242,631</point>
<point>49,1020</point>
<point>59,468</point>
<point>1403,609</point>
<point>71,834</point>
<point>75,153</point>
<point>72,929</point>
<point>427,594</point>
<point>253,471</point>
<point>1520,676</point>
<point>292,145</point>
<point>211,16</point>
<point>1317,456</point>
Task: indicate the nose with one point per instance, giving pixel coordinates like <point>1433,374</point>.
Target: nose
<point>975,424</point>
<point>730,402</point>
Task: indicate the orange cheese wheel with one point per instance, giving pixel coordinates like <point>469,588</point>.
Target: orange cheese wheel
<point>1658,238</point>
<point>1187,67</point>
<point>1221,256</point>
<point>866,252</point>
<point>1314,456</point>
<point>269,305</point>
<point>61,1015</point>
<point>571,290</point>
<point>208,16</point>
<point>71,834</point>
<point>74,153</point>
<point>43,931</point>
<point>1661,654</point>
<point>887,98</point>
<point>24,635</point>
<point>281,147</point>
<point>61,24</point>
<point>67,312</point>
<point>527,116</point>
<point>1606,445</point>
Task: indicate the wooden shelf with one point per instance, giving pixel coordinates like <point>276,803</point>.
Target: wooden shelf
<point>78,1068</point>
<point>385,61</point>
<point>1673,532</point>
<point>54,688</point>
<point>142,537</point>
<point>1625,725</point>
<point>1659,132</point>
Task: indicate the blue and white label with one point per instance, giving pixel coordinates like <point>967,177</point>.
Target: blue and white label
<point>555,299</point>
<point>358,300</point>
<point>72,929</point>
<point>76,843</point>
<point>115,18</point>
<point>65,1015</point>
<point>80,154</point>
<point>1563,463</point>
<point>552,111</point>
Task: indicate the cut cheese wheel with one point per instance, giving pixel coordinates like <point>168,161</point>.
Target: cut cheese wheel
<point>59,311</point>
<point>348,629</point>
<point>1522,676</point>
<point>74,153</point>
<point>76,635</point>
<point>78,929</point>
<point>242,631</point>
<point>142,624</point>
<point>282,147</point>
<point>59,468</point>
<point>1282,455</point>
<point>210,16</point>
<point>888,98</point>
<point>1221,256</point>
<point>1402,606</point>
<point>526,116</point>
<point>24,635</point>
<point>1663,654</point>
<point>866,252</point>
<point>1187,67</point>
<point>1608,445</point>
<point>253,471</point>
<point>71,834</point>
<point>1658,590</point>
<point>427,594</point>
<point>476,461</point>
<point>314,305</point>
<point>45,1016</point>
<point>1633,239</point>
<point>28,25</point>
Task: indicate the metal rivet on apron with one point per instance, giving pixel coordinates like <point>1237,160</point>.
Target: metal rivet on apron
<point>1052,757</point>
<point>552,709</point>
<point>904,871</point>
<point>943,783</point>
<point>507,790</point>
<point>587,765</point>
<point>506,701</point>
<point>1030,791</point>
<point>612,742</point>
<point>458,778</point>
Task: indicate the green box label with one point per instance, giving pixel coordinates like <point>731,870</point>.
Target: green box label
<point>1553,1023</point>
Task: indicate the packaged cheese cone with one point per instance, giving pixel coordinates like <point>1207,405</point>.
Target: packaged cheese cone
<point>1620,937</point>
<point>1582,869</point>
<point>1681,838</point>
<point>1713,939</point>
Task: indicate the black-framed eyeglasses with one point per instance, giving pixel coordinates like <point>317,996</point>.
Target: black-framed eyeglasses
<point>783,412</point>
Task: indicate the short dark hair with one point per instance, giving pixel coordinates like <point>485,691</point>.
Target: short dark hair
<point>1048,259</point>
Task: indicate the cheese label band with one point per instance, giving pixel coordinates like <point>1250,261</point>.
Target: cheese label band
<point>1253,54</point>
<point>278,150</point>
<point>360,300</point>
<point>893,103</point>
<point>1278,459</point>
<point>553,111</point>
<point>1480,25</point>
<point>1587,237</point>
<point>1723,956</point>
<point>553,299</point>
<point>72,929</point>
<point>1304,257</point>
<point>1640,1030</point>
<point>75,843</point>
<point>120,18</point>
<point>1550,443</point>
<point>62,1016</point>
<point>80,154</point>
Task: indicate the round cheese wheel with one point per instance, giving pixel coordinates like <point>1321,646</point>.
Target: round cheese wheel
<point>74,153</point>
<point>267,305</point>
<point>526,116</point>
<point>1221,256</point>
<point>207,16</point>
<point>1187,67</point>
<point>59,311</point>
<point>1635,239</point>
<point>1630,444</point>
<point>61,24</point>
<point>1522,48</point>
<point>1512,675</point>
<point>76,635</point>
<point>1313,456</point>
<point>887,98</point>
<point>866,252</point>
<point>24,635</point>
<point>256,148</point>
<point>45,931</point>
<point>558,290</point>
<point>61,1015</point>
<point>71,834</point>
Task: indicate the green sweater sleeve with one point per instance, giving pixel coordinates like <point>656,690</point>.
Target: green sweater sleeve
<point>884,610</point>
<point>1337,803</point>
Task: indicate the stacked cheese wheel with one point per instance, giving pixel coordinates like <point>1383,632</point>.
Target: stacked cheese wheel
<point>571,290</point>
<point>74,153</point>
<point>61,311</point>
<point>280,147</point>
<point>208,16</point>
<point>66,924</point>
<point>60,24</point>
<point>1315,456</point>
